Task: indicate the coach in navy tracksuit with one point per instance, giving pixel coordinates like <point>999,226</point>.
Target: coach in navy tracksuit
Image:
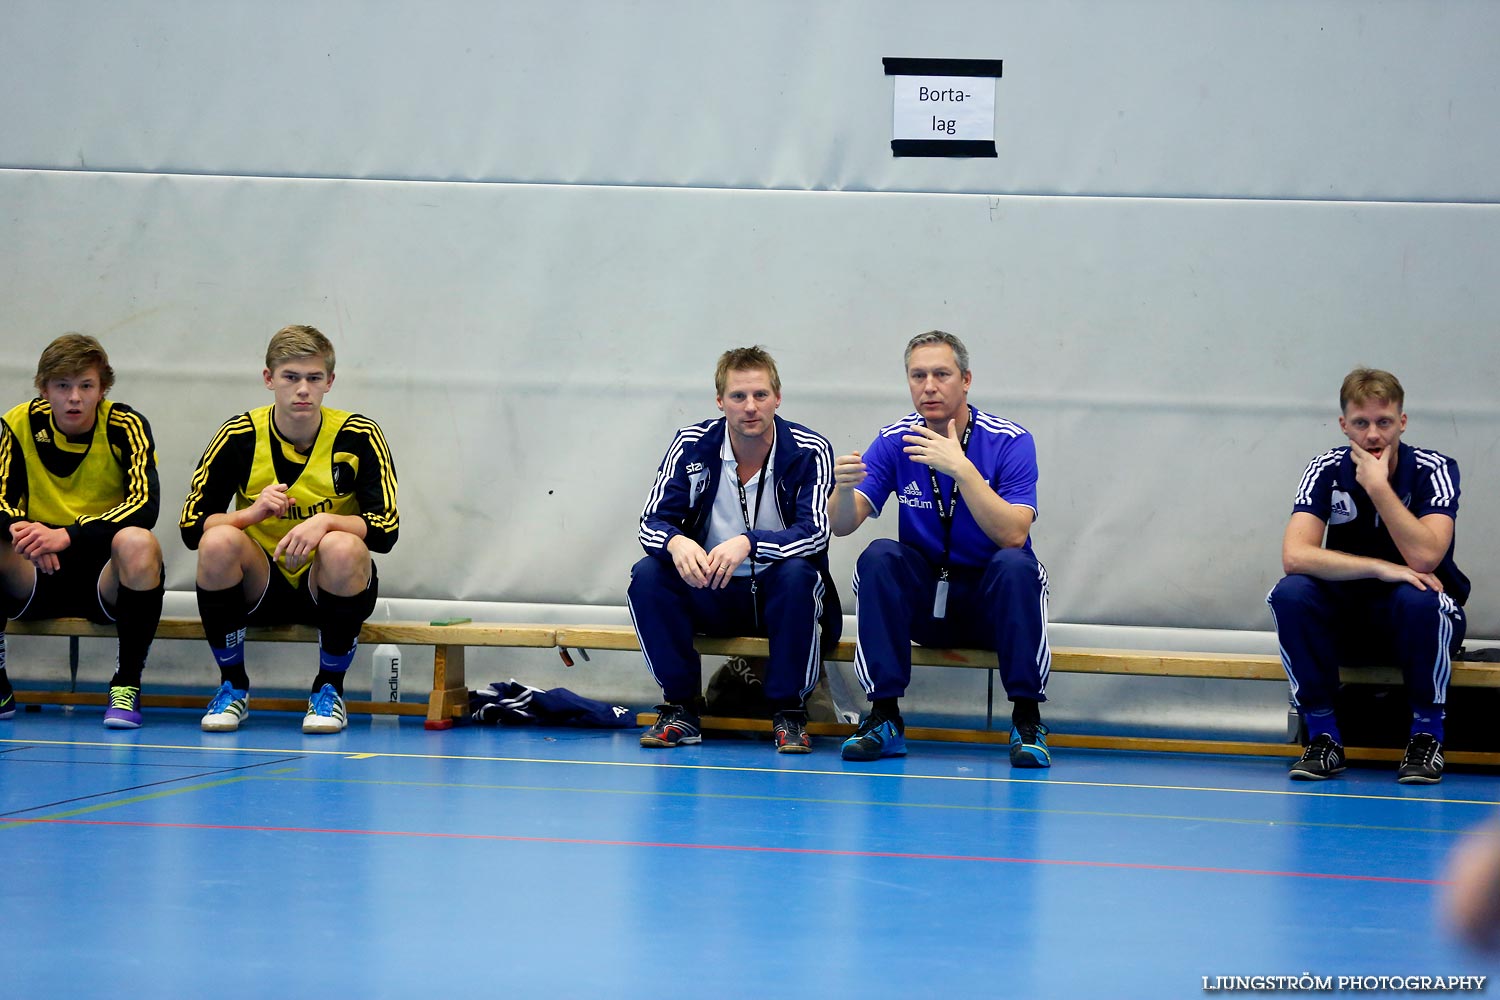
<point>1382,584</point>
<point>736,536</point>
<point>962,572</point>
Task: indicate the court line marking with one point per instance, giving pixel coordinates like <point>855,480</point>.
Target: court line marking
<point>140,798</point>
<point>67,817</point>
<point>983,779</point>
<point>741,848</point>
<point>804,800</point>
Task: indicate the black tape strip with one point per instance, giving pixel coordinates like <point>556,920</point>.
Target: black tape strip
<point>943,147</point>
<point>942,67</point>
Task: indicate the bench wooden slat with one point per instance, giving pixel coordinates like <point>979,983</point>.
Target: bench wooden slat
<point>448,699</point>
<point>1078,660</point>
<point>411,632</point>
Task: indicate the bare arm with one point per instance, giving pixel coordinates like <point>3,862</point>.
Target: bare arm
<point>1302,552</point>
<point>1422,541</point>
<point>847,509</point>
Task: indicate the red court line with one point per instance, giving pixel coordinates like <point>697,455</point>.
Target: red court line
<point>746,848</point>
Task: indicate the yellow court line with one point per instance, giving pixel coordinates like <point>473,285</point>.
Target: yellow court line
<point>1035,781</point>
<point>116,803</point>
<point>806,800</point>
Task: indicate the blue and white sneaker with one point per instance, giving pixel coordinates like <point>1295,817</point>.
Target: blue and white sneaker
<point>875,738</point>
<point>124,711</point>
<point>325,712</point>
<point>1028,746</point>
<point>230,706</point>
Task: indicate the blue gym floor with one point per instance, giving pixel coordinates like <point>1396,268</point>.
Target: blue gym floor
<point>393,862</point>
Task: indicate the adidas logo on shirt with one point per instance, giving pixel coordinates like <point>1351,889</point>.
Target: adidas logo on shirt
<point>911,496</point>
<point>1341,508</point>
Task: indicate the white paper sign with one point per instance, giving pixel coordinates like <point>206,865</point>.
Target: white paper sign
<point>944,107</point>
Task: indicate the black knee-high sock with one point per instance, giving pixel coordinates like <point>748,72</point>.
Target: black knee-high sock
<point>339,619</point>
<point>137,613</point>
<point>224,613</point>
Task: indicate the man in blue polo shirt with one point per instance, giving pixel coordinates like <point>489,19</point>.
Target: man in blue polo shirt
<point>1383,581</point>
<point>963,572</point>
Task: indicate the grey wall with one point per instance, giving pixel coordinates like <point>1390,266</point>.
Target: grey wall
<point>531,228</point>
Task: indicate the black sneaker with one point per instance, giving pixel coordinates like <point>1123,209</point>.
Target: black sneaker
<point>1323,758</point>
<point>675,726</point>
<point>1423,763</point>
<point>790,733</point>
<point>875,738</point>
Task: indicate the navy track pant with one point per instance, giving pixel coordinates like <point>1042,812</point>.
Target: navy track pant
<point>1321,624</point>
<point>667,613</point>
<point>1002,607</point>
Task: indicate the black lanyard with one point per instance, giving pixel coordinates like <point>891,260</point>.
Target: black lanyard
<point>750,521</point>
<point>946,513</point>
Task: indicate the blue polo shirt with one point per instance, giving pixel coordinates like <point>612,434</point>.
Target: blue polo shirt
<point>1426,482</point>
<point>1003,452</point>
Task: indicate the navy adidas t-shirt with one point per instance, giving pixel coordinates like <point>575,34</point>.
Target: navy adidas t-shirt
<point>1003,452</point>
<point>1426,482</point>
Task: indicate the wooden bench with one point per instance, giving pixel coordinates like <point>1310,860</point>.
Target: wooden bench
<point>1076,660</point>
<point>449,699</point>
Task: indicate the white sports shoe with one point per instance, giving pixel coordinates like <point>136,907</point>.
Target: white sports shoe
<point>230,707</point>
<point>325,712</point>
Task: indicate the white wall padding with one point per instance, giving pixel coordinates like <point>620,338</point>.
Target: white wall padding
<point>1305,99</point>
<point>530,229</point>
<point>528,350</point>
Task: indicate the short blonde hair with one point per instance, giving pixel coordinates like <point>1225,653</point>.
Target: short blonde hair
<point>746,359</point>
<point>292,343</point>
<point>1364,384</point>
<point>73,354</point>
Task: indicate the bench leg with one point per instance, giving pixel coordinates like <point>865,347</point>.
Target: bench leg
<point>450,692</point>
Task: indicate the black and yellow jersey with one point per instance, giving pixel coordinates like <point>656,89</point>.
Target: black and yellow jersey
<point>92,485</point>
<point>348,470</point>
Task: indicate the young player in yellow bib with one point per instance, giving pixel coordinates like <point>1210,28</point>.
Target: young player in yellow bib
<point>284,510</point>
<point>79,495</point>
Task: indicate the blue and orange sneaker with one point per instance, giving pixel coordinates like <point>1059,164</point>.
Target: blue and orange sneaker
<point>675,726</point>
<point>1028,746</point>
<point>124,711</point>
<point>875,738</point>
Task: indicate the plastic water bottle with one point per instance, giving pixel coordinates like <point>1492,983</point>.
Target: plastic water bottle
<point>385,678</point>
